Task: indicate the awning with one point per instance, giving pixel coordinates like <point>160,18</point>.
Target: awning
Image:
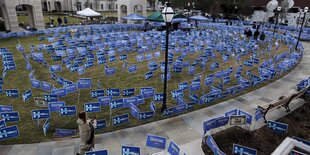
<point>88,13</point>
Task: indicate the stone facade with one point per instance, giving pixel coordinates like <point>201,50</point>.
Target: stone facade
<point>34,10</point>
<point>127,7</point>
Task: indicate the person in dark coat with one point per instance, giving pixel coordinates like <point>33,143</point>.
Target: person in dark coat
<point>262,36</point>
<point>256,34</point>
<point>249,33</point>
<point>59,20</point>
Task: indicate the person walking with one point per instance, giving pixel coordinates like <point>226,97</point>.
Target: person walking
<point>59,20</point>
<point>87,132</point>
<point>256,34</point>
<point>262,36</point>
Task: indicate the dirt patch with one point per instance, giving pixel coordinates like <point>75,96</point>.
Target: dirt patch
<point>264,139</point>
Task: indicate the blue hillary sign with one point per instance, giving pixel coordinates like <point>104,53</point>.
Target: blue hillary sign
<point>105,101</point>
<point>123,57</point>
<point>2,123</point>
<point>183,86</point>
<point>156,141</point>
<point>176,93</point>
<point>84,83</point>
<point>232,112</point>
<point>110,71</point>
<point>12,92</point>
<point>277,127</point>
<point>116,104</point>
<point>27,95</point>
<point>208,125</point>
<point>67,111</point>
<point>101,124</point>
<point>130,150</point>
<point>46,86</point>
<point>40,114</point>
<point>97,93</point>
<point>134,111</point>
<point>46,126</point>
<point>55,106</point>
<point>168,112</point>
<point>71,88</point>
<point>6,108</point>
<point>113,92</point>
<point>140,99</point>
<point>121,119</point>
<point>222,121</point>
<point>258,114</point>
<point>242,150</point>
<point>130,100</point>
<point>60,92</point>
<point>9,132</point>
<point>97,152</point>
<point>55,68</point>
<point>129,92</point>
<point>10,116</point>
<point>158,97</point>
<point>64,132</point>
<point>35,83</point>
<point>213,146</point>
<point>146,115</point>
<point>193,97</point>
<point>173,148</point>
<point>147,92</point>
<point>132,68</point>
<point>81,70</point>
<point>194,87</point>
<point>92,107</point>
<point>50,97</point>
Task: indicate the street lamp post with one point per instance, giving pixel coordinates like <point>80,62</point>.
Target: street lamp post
<point>302,25</point>
<point>167,14</point>
<point>300,11</point>
<point>277,19</point>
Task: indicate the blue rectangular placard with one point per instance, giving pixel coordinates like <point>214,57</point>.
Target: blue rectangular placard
<point>130,150</point>
<point>67,111</point>
<point>46,86</point>
<point>129,92</point>
<point>92,107</point>
<point>50,97</point>
<point>156,141</point>
<point>222,121</point>
<point>105,101</point>
<point>97,93</point>
<point>132,69</point>
<point>239,149</point>
<point>98,152</point>
<point>120,119</point>
<point>116,104</point>
<point>158,97</point>
<point>146,115</point>
<point>193,97</point>
<point>9,132</point>
<point>134,111</point>
<point>277,127</point>
<point>101,124</point>
<point>40,114</point>
<point>113,92</point>
<point>176,93</point>
<point>140,99</point>
<point>55,106</point>
<point>46,126</point>
<point>71,88</point>
<point>27,95</point>
<point>302,140</point>
<point>64,132</point>
<point>84,83</point>
<point>194,87</point>
<point>168,112</point>
<point>12,92</point>
<point>35,83</point>
<point>173,148</point>
<point>6,108</point>
<point>130,100</point>
<point>55,68</point>
<point>213,146</point>
<point>110,71</point>
<point>183,86</point>
<point>59,92</point>
<point>231,112</point>
<point>10,116</point>
<point>147,92</point>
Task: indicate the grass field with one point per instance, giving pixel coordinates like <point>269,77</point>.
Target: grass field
<point>30,133</point>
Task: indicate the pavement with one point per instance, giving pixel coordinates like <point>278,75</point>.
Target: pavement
<point>185,130</point>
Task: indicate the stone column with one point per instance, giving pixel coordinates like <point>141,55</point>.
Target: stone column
<point>38,17</point>
<point>12,17</point>
<point>30,12</point>
<point>6,19</point>
<point>119,12</point>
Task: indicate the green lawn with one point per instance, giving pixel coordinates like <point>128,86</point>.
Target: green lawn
<point>29,133</point>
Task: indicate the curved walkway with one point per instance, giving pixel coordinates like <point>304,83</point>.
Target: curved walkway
<point>185,130</point>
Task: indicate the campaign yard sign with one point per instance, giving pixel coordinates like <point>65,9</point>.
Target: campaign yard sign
<point>65,132</point>
<point>97,93</point>
<point>130,150</point>
<point>35,83</point>
<point>46,86</point>
<point>105,100</point>
<point>156,141</point>
<point>147,92</point>
<point>40,114</point>
<point>55,106</point>
<point>132,69</point>
<point>27,95</point>
<point>50,97</point>
<point>232,112</point>
<point>6,108</point>
<point>97,152</point>
<point>129,92</point>
<point>158,97</point>
<point>46,126</point>
<point>12,92</point>
<point>116,104</point>
<point>9,132</point>
<point>241,150</point>
<point>120,119</point>
<point>146,115</point>
<point>92,107</point>
<point>173,148</point>
<point>213,146</point>
<point>84,83</point>
<point>55,68</point>
<point>113,92</point>
<point>2,123</point>
<point>222,121</point>
<point>67,111</point>
<point>10,116</point>
<point>277,127</point>
<point>101,124</point>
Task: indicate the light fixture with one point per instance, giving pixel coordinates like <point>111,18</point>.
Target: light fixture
<point>306,9</point>
<point>168,13</point>
<point>279,8</point>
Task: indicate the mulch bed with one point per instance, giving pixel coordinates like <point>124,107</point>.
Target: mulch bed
<point>264,139</point>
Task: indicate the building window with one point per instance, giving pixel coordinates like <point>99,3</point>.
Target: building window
<point>116,7</point>
<point>109,6</point>
<point>102,6</point>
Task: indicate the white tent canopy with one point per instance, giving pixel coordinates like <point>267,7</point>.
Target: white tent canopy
<point>88,13</point>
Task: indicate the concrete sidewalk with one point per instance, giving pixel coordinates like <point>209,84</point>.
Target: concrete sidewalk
<point>185,130</point>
